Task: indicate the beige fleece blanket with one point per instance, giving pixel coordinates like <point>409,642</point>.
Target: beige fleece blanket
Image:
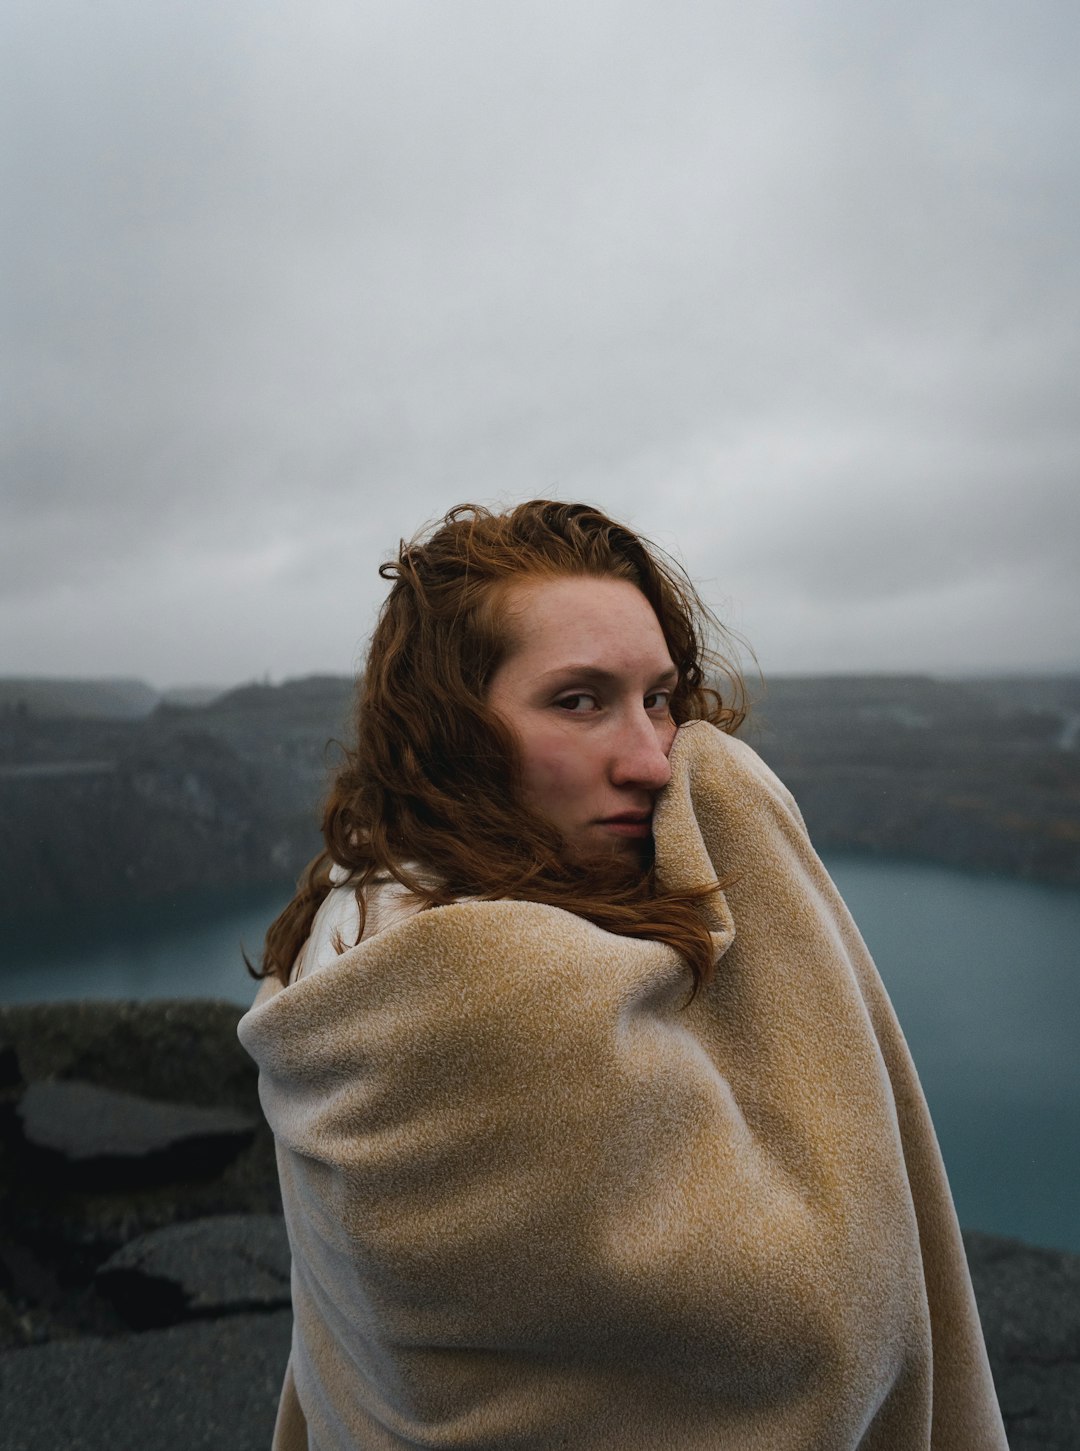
<point>535,1201</point>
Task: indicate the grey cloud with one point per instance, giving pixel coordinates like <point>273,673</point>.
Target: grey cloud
<point>797,291</point>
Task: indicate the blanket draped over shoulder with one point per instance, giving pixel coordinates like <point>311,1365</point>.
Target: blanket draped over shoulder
<point>536,1200</point>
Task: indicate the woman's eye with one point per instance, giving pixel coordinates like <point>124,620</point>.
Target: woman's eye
<point>658,700</point>
<point>578,704</point>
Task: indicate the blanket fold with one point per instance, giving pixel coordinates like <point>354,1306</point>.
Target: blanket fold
<point>536,1200</point>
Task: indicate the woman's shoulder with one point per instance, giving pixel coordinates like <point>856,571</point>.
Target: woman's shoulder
<point>459,978</point>
<point>484,933</point>
<point>701,740</point>
<point>336,927</point>
<point>713,764</point>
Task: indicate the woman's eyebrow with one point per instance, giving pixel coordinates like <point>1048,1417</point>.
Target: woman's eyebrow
<point>596,675</point>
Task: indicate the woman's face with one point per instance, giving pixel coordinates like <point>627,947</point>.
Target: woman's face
<point>586,687</point>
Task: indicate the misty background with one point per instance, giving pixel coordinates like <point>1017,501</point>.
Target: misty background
<point>791,287</point>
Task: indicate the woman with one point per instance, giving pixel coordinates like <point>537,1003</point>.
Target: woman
<point>603,1134</point>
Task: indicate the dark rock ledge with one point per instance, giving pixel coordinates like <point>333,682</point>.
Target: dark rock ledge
<point>144,1267</point>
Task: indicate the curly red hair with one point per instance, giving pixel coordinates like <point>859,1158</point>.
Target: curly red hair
<point>433,775</point>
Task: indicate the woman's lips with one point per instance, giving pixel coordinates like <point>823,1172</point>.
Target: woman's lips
<point>633,826</point>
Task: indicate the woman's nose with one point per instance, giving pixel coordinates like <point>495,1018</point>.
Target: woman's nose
<point>641,755</point>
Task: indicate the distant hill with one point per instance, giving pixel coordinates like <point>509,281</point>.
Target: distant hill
<point>981,773</point>
<point>62,699</point>
<point>99,810</point>
<point>46,698</point>
<point>191,695</point>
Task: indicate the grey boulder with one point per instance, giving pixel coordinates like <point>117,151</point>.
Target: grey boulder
<point>82,1132</point>
<point>222,1264</point>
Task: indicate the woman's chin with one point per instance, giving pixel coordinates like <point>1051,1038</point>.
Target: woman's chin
<point>613,855</point>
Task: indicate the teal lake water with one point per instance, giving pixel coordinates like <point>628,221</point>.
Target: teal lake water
<point>984,974</point>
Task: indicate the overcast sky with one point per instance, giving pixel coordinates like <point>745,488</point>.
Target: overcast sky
<point>791,287</point>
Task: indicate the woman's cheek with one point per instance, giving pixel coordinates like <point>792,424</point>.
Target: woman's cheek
<point>558,764</point>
